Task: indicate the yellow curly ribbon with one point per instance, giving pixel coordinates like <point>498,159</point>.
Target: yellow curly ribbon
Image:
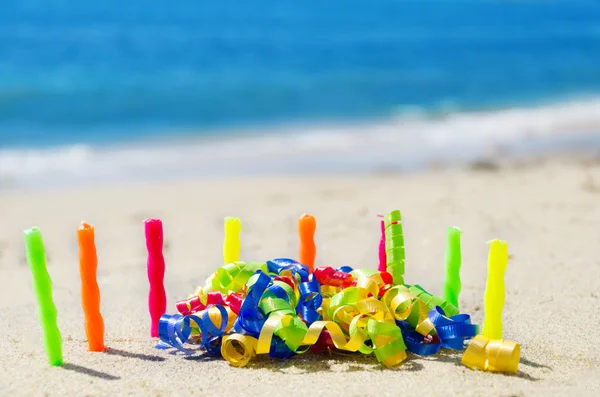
<point>494,355</point>
<point>369,285</point>
<point>352,295</point>
<point>298,338</point>
<point>200,293</point>
<point>400,301</point>
<point>231,317</point>
<point>405,306</point>
<point>365,276</point>
<point>358,326</point>
<point>238,349</point>
<point>292,274</point>
<point>356,341</point>
<point>327,291</point>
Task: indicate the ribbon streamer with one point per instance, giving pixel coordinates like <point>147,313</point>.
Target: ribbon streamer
<point>452,331</point>
<point>493,355</point>
<point>283,266</point>
<point>232,277</point>
<point>310,301</point>
<point>329,276</point>
<point>195,304</point>
<point>449,333</point>
<point>238,349</point>
<point>175,330</point>
<point>432,301</point>
<point>250,320</point>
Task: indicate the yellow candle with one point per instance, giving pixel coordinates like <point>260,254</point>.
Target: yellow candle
<point>494,289</point>
<point>231,243</point>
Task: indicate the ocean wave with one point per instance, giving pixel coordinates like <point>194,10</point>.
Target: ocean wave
<point>409,139</point>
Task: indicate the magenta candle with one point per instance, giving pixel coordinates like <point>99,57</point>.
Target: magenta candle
<point>382,256</point>
<point>157,298</point>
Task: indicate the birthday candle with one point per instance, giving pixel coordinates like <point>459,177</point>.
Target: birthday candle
<point>494,289</point>
<point>382,256</point>
<point>231,243</point>
<point>394,246</point>
<point>90,293</point>
<point>36,258</point>
<point>307,249</point>
<point>452,285</point>
<point>157,299</point>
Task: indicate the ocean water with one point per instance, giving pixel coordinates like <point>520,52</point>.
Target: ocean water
<point>92,89</point>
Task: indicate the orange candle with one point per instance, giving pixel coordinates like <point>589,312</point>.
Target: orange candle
<point>90,293</point>
<point>307,249</point>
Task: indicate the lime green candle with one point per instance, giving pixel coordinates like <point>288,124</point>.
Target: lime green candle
<point>42,284</point>
<point>452,284</point>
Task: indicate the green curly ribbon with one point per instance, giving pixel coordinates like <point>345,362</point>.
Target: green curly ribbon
<point>431,301</point>
<point>363,273</point>
<point>232,277</point>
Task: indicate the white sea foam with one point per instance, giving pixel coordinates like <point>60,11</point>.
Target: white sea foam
<point>394,143</point>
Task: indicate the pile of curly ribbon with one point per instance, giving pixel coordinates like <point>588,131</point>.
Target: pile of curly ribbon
<point>279,308</point>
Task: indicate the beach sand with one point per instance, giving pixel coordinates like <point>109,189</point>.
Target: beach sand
<point>549,213</point>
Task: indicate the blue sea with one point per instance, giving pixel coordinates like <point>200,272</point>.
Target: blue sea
<point>94,89</point>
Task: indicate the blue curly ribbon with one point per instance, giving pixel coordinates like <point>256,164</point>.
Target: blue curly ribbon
<point>414,341</point>
<point>213,346</point>
<point>345,269</point>
<point>310,300</point>
<point>278,292</point>
<point>174,330</point>
<point>452,332</point>
<point>279,349</point>
<point>278,265</point>
<point>250,319</point>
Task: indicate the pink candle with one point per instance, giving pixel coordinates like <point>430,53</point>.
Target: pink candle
<point>157,299</point>
<point>382,256</point>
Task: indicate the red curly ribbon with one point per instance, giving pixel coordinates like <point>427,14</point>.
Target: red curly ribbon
<point>326,275</point>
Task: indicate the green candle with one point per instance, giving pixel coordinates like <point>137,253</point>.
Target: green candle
<point>452,285</point>
<point>42,284</point>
